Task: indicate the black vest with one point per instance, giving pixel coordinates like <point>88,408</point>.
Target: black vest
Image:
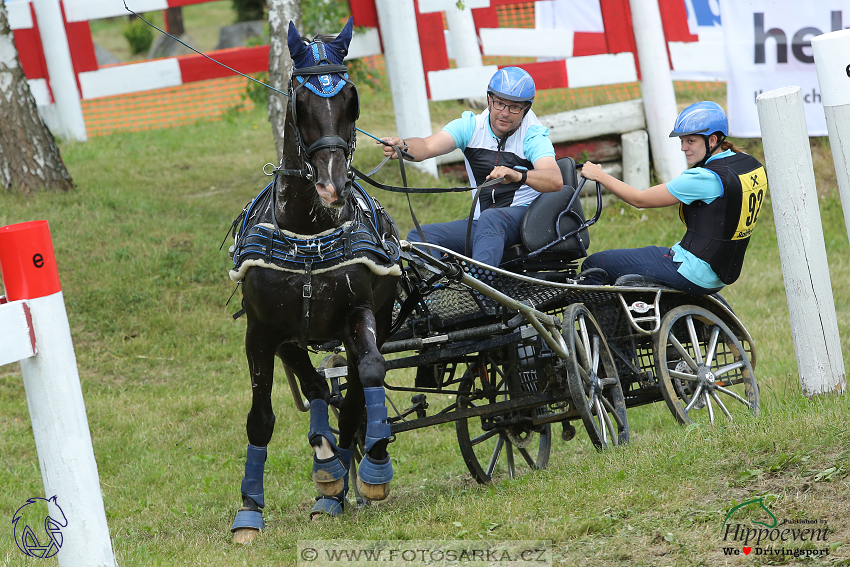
<point>718,232</point>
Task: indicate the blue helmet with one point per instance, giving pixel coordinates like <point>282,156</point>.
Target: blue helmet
<point>512,83</point>
<point>704,118</point>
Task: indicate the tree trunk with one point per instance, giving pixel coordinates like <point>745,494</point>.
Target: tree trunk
<point>280,64</point>
<point>174,21</point>
<point>29,157</point>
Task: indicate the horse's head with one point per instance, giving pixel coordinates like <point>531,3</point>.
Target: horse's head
<point>324,106</point>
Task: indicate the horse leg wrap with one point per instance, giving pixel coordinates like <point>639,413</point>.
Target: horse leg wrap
<point>319,424</point>
<point>335,505</point>
<point>371,470</point>
<point>252,487</point>
<point>252,482</point>
<point>327,473</point>
<point>377,427</point>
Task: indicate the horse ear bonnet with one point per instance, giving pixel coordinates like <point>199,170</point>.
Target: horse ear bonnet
<point>316,54</point>
<point>296,45</point>
<point>342,41</point>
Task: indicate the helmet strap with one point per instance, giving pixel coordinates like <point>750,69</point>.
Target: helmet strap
<point>709,151</point>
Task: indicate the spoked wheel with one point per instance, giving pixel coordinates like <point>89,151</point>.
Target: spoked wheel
<point>592,378</point>
<point>497,444</point>
<point>704,371</point>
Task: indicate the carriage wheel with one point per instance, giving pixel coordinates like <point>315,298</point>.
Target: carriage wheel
<point>703,369</point>
<point>592,378</point>
<point>513,448</point>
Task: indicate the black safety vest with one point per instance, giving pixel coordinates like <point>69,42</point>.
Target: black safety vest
<point>718,232</point>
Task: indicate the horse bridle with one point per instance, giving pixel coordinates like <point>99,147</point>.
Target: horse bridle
<point>334,142</point>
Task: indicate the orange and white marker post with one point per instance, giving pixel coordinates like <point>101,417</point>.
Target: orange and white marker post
<point>35,332</point>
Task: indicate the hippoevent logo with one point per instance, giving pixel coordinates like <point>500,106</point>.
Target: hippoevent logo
<point>42,544</point>
<point>751,528</point>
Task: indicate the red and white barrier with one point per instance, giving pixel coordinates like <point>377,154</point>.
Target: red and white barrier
<point>36,332</point>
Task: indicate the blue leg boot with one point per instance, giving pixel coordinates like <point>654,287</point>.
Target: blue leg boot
<point>374,475</point>
<point>328,473</point>
<point>335,505</point>
<point>252,487</point>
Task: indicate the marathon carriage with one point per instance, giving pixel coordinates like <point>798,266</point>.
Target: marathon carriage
<point>514,350</point>
<point>503,352</point>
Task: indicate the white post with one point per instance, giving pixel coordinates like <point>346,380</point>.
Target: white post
<point>400,37</point>
<point>464,38</point>
<point>63,81</point>
<point>833,66</point>
<point>800,237</point>
<point>635,159</point>
<point>54,397</point>
<point>659,98</point>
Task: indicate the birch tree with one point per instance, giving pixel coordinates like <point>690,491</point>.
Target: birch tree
<point>280,63</point>
<point>29,157</point>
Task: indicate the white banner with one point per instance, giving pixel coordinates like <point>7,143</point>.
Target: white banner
<point>768,46</point>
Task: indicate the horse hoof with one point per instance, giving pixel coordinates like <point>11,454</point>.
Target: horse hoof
<point>247,525</point>
<point>331,488</point>
<point>373,491</point>
<point>373,477</point>
<point>329,475</point>
<point>244,536</point>
<point>328,506</point>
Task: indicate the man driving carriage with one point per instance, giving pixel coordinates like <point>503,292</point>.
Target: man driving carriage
<point>506,140</point>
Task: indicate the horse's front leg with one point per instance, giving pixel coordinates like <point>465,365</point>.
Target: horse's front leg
<point>260,351</point>
<point>375,471</point>
<point>330,463</point>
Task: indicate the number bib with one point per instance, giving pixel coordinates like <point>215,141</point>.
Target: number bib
<point>753,189</point>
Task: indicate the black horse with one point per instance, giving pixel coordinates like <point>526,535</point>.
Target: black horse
<point>317,260</point>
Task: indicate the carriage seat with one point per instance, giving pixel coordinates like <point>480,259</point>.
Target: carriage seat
<point>639,280</point>
<point>538,227</point>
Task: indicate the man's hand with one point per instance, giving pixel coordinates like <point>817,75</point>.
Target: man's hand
<point>389,150</point>
<point>510,175</point>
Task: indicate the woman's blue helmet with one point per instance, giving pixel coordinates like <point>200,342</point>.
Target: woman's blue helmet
<point>512,83</point>
<point>704,118</point>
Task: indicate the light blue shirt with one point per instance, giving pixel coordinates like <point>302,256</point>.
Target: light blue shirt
<point>697,184</point>
<point>535,145</point>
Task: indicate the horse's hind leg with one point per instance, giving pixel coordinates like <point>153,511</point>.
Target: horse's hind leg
<point>260,350</point>
<point>375,471</point>
<point>330,463</point>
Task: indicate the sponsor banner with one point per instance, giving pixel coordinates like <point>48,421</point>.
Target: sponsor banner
<point>768,46</point>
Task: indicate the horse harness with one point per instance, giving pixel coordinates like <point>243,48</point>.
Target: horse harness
<point>358,240</point>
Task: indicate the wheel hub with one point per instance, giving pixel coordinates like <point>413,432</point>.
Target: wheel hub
<point>518,437</point>
<point>706,378</point>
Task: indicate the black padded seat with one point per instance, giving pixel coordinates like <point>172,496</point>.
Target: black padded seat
<point>538,227</point>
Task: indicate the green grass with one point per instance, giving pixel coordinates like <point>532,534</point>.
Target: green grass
<point>166,389</point>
